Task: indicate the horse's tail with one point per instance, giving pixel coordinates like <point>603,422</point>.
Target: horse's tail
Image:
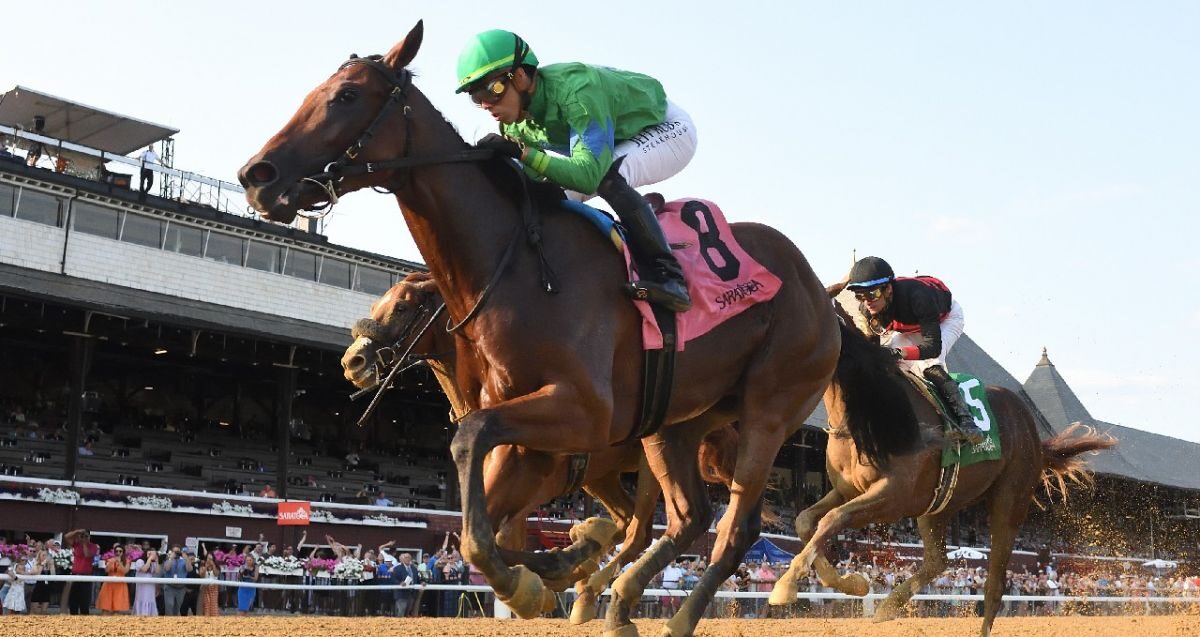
<point>718,455</point>
<point>1061,463</point>
<point>877,410</point>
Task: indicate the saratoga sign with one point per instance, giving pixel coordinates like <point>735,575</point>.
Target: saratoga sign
<point>293,513</point>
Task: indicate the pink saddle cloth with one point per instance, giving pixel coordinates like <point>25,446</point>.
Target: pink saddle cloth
<point>723,279</point>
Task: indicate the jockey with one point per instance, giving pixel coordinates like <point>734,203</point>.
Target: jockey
<point>919,319</point>
<point>610,131</point>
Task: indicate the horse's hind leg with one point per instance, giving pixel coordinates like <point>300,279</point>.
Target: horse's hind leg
<point>671,455</point>
<point>1007,509</point>
<point>740,525</point>
<point>933,536</point>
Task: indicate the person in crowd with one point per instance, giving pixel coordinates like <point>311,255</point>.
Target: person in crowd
<point>267,491</point>
<point>144,594</point>
<point>191,594</point>
<point>175,567</point>
<point>381,500</point>
<point>83,551</point>
<point>39,598</point>
<point>148,158</point>
<point>209,592</point>
<point>14,599</point>
<point>246,594</point>
<point>404,573</point>
<point>114,596</point>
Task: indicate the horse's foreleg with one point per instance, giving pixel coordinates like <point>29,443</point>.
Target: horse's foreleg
<point>788,586</point>
<point>637,538</point>
<point>933,536</point>
<point>740,525</point>
<point>607,488</point>
<point>875,504</point>
<point>672,459</point>
<point>527,421</point>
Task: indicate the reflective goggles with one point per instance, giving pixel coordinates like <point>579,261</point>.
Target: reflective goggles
<point>869,295</point>
<point>491,91</point>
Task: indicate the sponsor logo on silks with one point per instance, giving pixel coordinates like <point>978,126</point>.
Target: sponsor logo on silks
<point>293,513</point>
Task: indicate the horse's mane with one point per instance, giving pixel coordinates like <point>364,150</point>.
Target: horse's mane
<point>503,172</point>
<point>878,414</point>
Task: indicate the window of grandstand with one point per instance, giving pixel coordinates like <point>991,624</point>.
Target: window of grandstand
<point>371,280</point>
<point>8,200</point>
<point>335,272</point>
<point>142,231</point>
<point>97,220</point>
<point>184,239</point>
<point>39,207</point>
<point>224,248</point>
<point>300,264</point>
<point>264,256</point>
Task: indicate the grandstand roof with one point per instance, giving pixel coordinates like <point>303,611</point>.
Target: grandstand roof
<point>79,123</point>
<point>1139,455</point>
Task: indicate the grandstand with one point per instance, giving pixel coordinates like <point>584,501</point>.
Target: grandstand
<point>169,344</point>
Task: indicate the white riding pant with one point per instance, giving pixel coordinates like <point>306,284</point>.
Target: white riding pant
<point>952,329</point>
<point>656,153</point>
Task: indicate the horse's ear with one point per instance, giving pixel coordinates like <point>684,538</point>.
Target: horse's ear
<point>405,50</point>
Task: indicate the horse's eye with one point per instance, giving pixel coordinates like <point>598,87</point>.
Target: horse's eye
<point>346,95</point>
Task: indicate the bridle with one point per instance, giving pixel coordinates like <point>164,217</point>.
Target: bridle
<point>335,171</point>
<point>386,358</point>
<point>344,166</point>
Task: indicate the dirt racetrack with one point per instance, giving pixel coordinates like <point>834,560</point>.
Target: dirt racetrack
<point>66,626</point>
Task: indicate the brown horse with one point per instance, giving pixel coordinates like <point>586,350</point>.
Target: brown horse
<point>529,478</point>
<point>558,373</point>
<point>879,475</point>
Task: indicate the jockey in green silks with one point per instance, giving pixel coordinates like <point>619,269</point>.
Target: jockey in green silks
<point>592,130</point>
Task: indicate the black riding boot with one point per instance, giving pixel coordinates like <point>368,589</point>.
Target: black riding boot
<point>662,281</point>
<point>954,402</point>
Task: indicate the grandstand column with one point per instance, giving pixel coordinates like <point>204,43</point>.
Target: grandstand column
<point>82,346</point>
<point>283,414</point>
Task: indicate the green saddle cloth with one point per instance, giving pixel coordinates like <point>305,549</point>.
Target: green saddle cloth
<point>975,396</point>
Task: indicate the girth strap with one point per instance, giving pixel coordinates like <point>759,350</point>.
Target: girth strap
<point>577,466</point>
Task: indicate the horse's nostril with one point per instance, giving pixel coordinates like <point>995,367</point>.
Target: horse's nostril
<point>356,363</point>
<point>261,173</point>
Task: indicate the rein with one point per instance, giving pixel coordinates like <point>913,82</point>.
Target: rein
<point>398,364</point>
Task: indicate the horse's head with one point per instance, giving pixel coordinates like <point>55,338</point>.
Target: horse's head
<point>398,322</point>
<point>342,121</point>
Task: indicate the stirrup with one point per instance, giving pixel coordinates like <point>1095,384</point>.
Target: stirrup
<point>658,294</point>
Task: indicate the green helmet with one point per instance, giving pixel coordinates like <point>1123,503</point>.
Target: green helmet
<point>489,51</point>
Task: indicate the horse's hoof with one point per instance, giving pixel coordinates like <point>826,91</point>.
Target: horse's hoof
<point>855,584</point>
<point>885,613</point>
<point>676,627</point>
<point>783,593</point>
<point>583,611</point>
<point>549,601</point>
<point>598,530</point>
<point>628,630</point>
<point>528,599</point>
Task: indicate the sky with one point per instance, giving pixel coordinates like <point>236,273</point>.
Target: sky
<point>1042,158</point>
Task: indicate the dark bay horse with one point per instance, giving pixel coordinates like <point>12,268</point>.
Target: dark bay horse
<point>529,478</point>
<point>558,373</point>
<point>884,466</point>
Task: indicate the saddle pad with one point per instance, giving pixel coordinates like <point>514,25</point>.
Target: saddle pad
<point>975,395</point>
<point>723,279</point>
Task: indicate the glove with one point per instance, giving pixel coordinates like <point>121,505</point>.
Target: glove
<point>898,353</point>
<point>501,144</point>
